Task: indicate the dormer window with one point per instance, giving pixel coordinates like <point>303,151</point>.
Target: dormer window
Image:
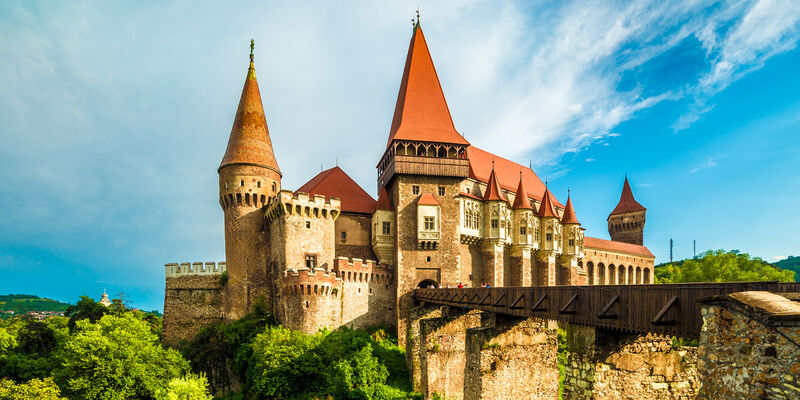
<point>387,228</point>
<point>494,223</point>
<point>430,223</point>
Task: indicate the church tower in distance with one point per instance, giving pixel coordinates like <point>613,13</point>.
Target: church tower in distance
<point>626,222</point>
<point>248,177</point>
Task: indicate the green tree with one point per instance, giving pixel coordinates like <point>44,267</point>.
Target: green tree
<point>188,387</point>
<point>722,266</point>
<point>39,389</point>
<point>116,358</point>
<point>7,340</point>
<point>86,308</point>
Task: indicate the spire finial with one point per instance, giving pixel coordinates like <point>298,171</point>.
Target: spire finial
<point>545,183</point>
<point>417,15</point>
<point>492,164</point>
<point>568,192</point>
<point>252,48</point>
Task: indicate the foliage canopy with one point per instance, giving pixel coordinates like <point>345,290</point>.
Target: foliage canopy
<point>721,266</point>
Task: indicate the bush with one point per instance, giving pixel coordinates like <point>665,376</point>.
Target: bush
<point>188,387</point>
<point>40,389</point>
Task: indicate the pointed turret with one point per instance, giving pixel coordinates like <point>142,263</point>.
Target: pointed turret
<point>249,142</point>
<point>569,213</point>
<point>493,191</point>
<point>384,202</point>
<point>626,201</point>
<point>521,201</point>
<point>546,209</point>
<point>421,112</point>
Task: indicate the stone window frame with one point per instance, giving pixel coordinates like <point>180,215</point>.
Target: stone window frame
<point>386,228</point>
<point>344,236</point>
<point>429,223</point>
<point>495,223</point>
<point>313,257</point>
<point>415,189</point>
<point>442,191</point>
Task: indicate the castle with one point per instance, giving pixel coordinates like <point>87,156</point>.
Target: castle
<point>328,254</point>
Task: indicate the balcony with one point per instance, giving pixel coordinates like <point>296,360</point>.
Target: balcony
<point>419,165</point>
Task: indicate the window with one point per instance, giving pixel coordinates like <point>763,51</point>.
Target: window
<point>430,223</point>
<point>441,190</point>
<point>494,224</point>
<point>476,220</point>
<point>241,182</point>
<point>415,189</point>
<point>387,228</point>
<point>523,230</point>
<point>274,186</point>
<point>572,242</point>
<point>226,184</point>
<point>311,261</point>
<point>308,224</point>
<point>344,236</point>
<point>258,184</point>
<point>548,237</point>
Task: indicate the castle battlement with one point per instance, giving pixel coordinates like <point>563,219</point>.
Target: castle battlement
<point>303,204</point>
<point>173,270</point>
<point>358,270</point>
<point>318,281</point>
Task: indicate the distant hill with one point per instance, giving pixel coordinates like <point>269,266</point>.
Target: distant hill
<point>792,263</point>
<point>22,303</point>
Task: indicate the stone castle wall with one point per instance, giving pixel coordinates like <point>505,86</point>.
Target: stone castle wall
<point>193,298</point>
<point>627,227</point>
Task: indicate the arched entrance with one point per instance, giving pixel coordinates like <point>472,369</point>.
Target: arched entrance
<point>428,284</point>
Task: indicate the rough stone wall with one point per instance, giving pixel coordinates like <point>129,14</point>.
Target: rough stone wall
<point>470,266</point>
<point>443,352</point>
<point>368,293</point>
<point>611,365</point>
<point>627,227</point>
<point>493,258</point>
<point>412,264</point>
<point>311,300</point>
<point>745,354</point>
<point>190,303</point>
<point>246,249</point>
<point>356,243</point>
<point>509,359</point>
<point>545,269</point>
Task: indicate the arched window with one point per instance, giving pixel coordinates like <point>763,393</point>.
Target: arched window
<point>590,272</point>
<point>646,277</point>
<point>601,274</point>
<point>612,275</point>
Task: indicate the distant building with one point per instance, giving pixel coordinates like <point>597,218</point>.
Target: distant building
<point>328,254</point>
<point>105,300</point>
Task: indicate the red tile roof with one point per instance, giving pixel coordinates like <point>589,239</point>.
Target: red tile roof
<point>626,201</point>
<point>521,201</point>
<point>480,166</point>
<point>546,208</point>
<point>610,245</point>
<point>470,195</point>
<point>493,191</point>
<point>428,199</point>
<point>249,141</point>
<point>421,112</point>
<point>335,182</point>
<point>384,202</point>
<point>569,213</point>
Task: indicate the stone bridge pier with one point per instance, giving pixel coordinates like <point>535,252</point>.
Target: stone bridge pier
<point>749,348</point>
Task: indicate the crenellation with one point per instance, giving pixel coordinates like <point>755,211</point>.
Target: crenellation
<point>194,268</point>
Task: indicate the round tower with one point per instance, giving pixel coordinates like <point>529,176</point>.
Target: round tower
<point>248,177</point>
<point>626,222</point>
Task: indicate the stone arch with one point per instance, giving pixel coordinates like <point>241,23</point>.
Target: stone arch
<point>590,272</point>
<point>646,276</point>
<point>639,275</point>
<point>631,277</point>
<point>601,274</point>
<point>612,275</point>
<point>428,282</point>
<point>621,275</point>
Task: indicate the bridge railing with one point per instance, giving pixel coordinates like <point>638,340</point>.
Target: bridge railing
<point>669,309</point>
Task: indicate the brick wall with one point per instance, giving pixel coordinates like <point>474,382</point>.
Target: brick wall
<point>190,303</point>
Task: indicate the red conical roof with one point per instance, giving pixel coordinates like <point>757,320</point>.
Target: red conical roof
<point>249,142</point>
<point>626,201</point>
<point>569,214</point>
<point>521,201</point>
<point>335,182</point>
<point>421,112</point>
<point>384,202</point>
<point>493,191</point>
<point>546,208</point>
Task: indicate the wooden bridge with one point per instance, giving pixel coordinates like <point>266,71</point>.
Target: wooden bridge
<point>669,309</point>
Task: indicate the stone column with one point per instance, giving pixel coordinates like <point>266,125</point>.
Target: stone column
<point>567,272</point>
<point>545,268</point>
<point>750,346</point>
<point>492,254</point>
<point>511,359</point>
<point>521,266</point>
<point>611,365</point>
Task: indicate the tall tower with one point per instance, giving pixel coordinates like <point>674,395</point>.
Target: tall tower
<point>626,222</point>
<point>248,177</point>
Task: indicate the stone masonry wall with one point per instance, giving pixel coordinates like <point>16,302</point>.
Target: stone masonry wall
<point>747,353</point>
<point>190,303</point>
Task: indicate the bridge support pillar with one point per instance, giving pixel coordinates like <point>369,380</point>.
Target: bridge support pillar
<point>750,346</point>
<point>510,358</point>
<point>568,274</point>
<point>613,365</point>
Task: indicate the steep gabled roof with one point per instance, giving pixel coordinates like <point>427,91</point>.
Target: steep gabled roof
<point>521,201</point>
<point>493,191</point>
<point>610,245</point>
<point>480,166</point>
<point>569,213</point>
<point>626,201</point>
<point>427,199</point>
<point>384,202</point>
<point>546,209</point>
<point>335,182</point>
<point>249,142</point>
<point>421,112</point>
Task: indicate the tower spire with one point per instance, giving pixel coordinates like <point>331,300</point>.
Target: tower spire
<point>627,203</point>
<point>569,212</point>
<point>521,201</point>
<point>249,142</point>
<point>546,208</point>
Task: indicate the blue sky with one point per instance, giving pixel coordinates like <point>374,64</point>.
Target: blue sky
<point>113,118</point>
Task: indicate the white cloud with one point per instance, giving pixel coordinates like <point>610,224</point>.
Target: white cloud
<point>709,163</point>
<point>590,160</point>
